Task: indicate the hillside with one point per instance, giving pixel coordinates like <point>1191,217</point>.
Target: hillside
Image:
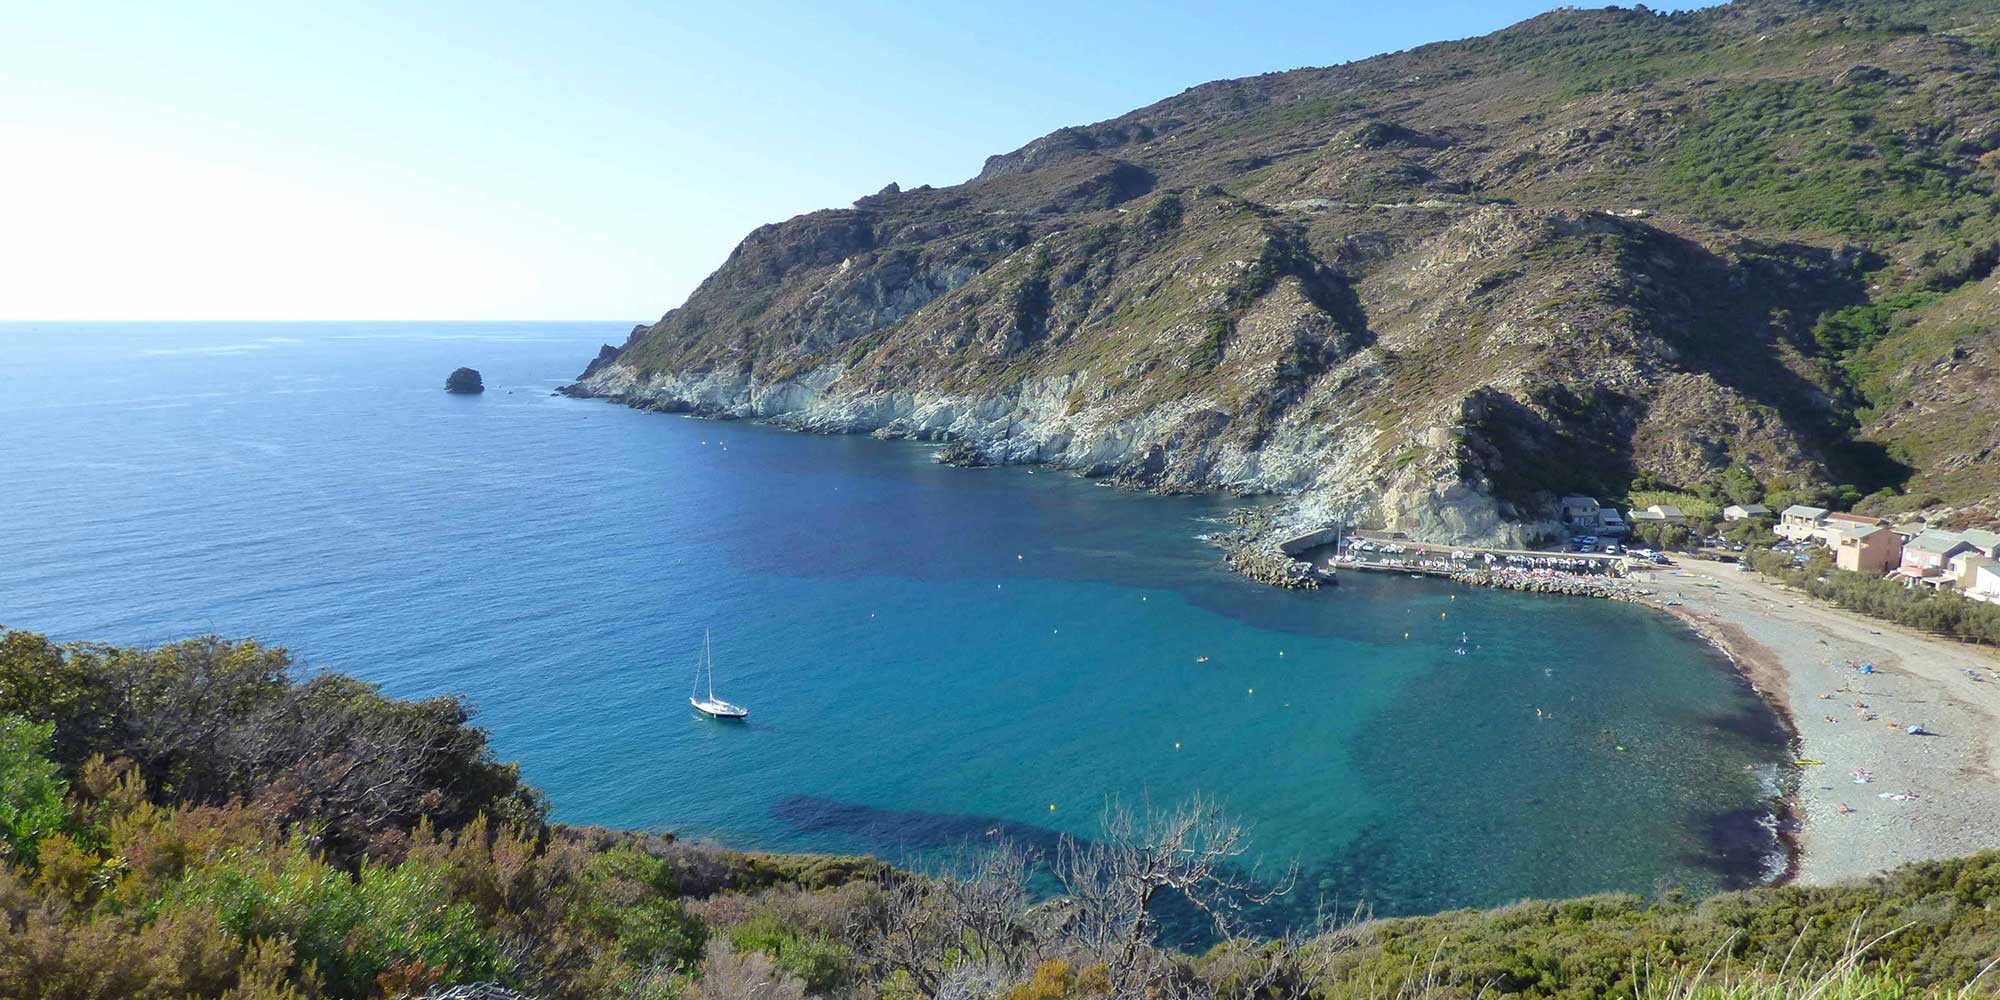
<point>204,819</point>
<point>1429,290</point>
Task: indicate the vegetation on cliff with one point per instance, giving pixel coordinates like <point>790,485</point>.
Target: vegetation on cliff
<point>198,820</point>
<point>1598,249</point>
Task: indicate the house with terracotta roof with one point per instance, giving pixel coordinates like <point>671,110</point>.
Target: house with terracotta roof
<point>1842,519</point>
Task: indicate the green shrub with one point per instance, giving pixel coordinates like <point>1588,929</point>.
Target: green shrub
<point>820,963</point>
<point>31,789</point>
<point>351,928</point>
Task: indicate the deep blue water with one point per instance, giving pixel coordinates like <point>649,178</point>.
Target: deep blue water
<point>929,653</point>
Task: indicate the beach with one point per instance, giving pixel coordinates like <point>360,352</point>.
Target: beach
<point>1850,686</point>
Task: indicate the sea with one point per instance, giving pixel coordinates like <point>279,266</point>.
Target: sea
<point>933,657</point>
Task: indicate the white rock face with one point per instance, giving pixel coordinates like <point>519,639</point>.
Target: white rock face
<point>1328,475</point>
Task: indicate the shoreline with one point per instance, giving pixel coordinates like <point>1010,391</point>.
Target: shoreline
<point>1881,798</point>
<point>1765,673</point>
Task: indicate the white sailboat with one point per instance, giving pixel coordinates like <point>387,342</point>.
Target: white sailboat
<point>711,706</point>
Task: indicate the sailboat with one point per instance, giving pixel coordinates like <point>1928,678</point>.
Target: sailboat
<point>711,706</point>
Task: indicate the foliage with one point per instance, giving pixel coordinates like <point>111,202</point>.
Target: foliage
<point>350,928</point>
<point>1662,534</point>
<point>31,790</point>
<point>208,721</point>
<point>814,958</point>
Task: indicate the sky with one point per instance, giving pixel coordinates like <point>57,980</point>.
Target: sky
<point>589,160</point>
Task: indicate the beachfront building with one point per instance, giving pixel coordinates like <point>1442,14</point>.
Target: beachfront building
<point>1800,523</point>
<point>1870,549</point>
<point>1927,557</point>
<point>1580,515</point>
<point>1984,584</point>
<point>1658,513</point>
<point>1583,515</point>
<point>1745,512</point>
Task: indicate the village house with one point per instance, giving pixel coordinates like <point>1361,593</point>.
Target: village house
<point>1745,512</point>
<point>1963,568</point>
<point>1839,521</point>
<point>1983,540</point>
<point>1984,584</point>
<point>1657,513</point>
<point>1800,523</point>
<point>1927,557</point>
<point>1610,524</point>
<point>1579,514</point>
<point>1870,549</point>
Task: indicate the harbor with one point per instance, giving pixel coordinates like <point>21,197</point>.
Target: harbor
<point>1575,574</point>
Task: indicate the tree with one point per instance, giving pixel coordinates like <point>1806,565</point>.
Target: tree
<point>1116,882</point>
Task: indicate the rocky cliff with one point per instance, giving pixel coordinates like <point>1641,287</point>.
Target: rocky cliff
<point>1428,291</point>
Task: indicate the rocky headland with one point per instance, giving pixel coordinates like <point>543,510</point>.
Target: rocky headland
<point>1429,291</point>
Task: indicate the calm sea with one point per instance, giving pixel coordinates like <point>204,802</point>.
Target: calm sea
<point>930,654</point>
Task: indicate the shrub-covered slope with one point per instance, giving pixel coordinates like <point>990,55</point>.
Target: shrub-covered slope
<point>1430,289</point>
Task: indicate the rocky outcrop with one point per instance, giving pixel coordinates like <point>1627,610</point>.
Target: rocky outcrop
<point>605,356</point>
<point>464,381</point>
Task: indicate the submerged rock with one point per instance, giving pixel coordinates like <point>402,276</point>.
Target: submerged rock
<point>464,380</point>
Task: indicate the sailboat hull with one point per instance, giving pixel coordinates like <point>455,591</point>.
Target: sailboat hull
<point>717,709</point>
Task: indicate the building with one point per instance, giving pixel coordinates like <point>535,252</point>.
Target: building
<point>1610,525</point>
<point>1870,549</point>
<point>1800,523</point>
<point>1927,557</point>
<point>1657,513</point>
<point>1745,512</point>
<point>1963,569</point>
<point>1985,582</point>
<point>1840,521</point>
<point>1580,515</point>
<point>1983,540</point>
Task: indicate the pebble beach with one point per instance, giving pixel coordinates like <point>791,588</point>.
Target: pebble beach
<point>1870,795</point>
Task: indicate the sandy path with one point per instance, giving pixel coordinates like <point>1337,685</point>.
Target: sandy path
<point>1798,649</point>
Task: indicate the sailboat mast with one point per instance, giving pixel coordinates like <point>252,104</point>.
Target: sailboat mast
<point>708,654</point>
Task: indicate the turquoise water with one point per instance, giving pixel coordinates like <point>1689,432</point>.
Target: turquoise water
<point>930,653</point>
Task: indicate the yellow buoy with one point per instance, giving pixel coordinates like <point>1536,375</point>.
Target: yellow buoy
<point>1406,635</point>
<point>1177,746</point>
<point>1253,690</point>
<point>1281,652</point>
<point>1454,597</point>
<point>1440,614</point>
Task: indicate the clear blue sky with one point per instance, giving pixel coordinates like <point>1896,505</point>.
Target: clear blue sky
<point>503,160</point>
